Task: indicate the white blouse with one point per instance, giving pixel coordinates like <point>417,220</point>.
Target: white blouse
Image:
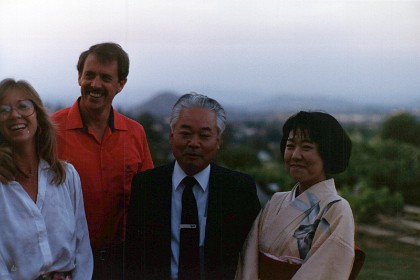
<point>49,235</point>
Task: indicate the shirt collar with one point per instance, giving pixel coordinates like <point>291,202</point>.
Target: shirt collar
<point>202,177</point>
<point>110,119</point>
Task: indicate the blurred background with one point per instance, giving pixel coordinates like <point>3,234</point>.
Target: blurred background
<point>263,61</point>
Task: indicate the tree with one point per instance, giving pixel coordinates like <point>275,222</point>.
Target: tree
<point>402,127</point>
<point>238,157</point>
<point>385,163</point>
<point>157,132</point>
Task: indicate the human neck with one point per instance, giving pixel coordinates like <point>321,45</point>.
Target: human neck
<point>96,120</point>
<point>27,173</point>
<point>27,164</point>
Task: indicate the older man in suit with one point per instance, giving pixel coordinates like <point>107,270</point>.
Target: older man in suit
<point>178,229</point>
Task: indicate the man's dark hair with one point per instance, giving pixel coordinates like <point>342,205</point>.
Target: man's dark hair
<point>106,53</point>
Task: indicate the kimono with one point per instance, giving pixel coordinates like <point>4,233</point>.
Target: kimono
<point>315,229</point>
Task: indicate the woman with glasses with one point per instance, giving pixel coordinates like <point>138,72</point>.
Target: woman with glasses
<point>43,232</point>
<point>308,232</point>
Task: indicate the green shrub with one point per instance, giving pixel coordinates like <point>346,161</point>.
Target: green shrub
<point>367,202</point>
<point>273,173</point>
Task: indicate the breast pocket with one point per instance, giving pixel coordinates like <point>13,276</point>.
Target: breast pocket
<point>130,169</point>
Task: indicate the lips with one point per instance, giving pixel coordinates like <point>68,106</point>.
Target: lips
<point>95,94</point>
<point>192,155</point>
<point>296,167</point>
<point>16,127</point>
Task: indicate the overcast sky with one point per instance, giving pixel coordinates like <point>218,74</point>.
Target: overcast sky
<point>235,51</point>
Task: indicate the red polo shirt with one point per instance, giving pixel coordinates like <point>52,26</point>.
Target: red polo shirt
<point>105,168</point>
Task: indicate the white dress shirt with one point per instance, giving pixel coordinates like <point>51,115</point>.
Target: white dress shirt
<point>49,235</point>
<point>201,193</point>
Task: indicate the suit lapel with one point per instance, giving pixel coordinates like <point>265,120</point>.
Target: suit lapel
<point>165,181</point>
<point>161,185</point>
<point>214,213</point>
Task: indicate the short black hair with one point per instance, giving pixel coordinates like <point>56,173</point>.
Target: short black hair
<point>322,128</point>
<point>107,52</point>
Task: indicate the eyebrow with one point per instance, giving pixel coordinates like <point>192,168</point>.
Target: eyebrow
<point>20,100</point>
<point>102,75</point>
<point>201,129</point>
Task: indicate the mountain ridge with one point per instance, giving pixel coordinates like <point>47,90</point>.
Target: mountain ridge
<point>161,104</point>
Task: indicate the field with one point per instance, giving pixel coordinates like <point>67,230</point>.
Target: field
<point>388,259</point>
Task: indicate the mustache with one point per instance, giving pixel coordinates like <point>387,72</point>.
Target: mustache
<point>95,90</point>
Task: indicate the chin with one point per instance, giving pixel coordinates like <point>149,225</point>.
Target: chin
<point>192,169</point>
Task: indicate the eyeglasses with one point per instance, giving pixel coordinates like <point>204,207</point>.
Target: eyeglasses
<point>25,108</point>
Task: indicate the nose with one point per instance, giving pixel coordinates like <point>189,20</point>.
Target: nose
<point>96,82</point>
<point>14,113</point>
<point>194,141</point>
<point>297,153</point>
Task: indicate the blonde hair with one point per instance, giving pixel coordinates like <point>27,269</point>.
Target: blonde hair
<point>46,133</point>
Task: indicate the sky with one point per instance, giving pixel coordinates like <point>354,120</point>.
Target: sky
<point>235,51</point>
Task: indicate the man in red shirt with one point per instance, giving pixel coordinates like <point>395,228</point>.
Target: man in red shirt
<point>105,147</point>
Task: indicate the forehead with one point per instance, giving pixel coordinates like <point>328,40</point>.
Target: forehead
<point>13,95</point>
<point>95,64</point>
<point>197,118</point>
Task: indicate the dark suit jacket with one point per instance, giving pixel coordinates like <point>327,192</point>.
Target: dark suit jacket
<point>232,207</point>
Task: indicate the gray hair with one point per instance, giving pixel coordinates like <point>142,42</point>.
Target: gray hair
<point>193,99</point>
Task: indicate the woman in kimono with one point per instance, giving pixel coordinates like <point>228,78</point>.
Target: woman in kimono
<point>43,232</point>
<point>311,225</point>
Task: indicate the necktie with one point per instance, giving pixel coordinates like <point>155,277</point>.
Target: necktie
<point>189,260</point>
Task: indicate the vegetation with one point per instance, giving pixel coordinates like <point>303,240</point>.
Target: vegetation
<point>402,127</point>
<point>367,202</point>
<point>390,260</point>
<point>383,173</point>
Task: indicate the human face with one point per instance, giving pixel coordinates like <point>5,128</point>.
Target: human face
<point>303,160</point>
<point>99,83</point>
<point>195,139</point>
<point>15,127</point>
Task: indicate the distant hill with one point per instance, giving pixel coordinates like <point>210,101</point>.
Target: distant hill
<point>288,104</point>
<point>161,104</point>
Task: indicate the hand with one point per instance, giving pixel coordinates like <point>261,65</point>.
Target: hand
<point>7,166</point>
